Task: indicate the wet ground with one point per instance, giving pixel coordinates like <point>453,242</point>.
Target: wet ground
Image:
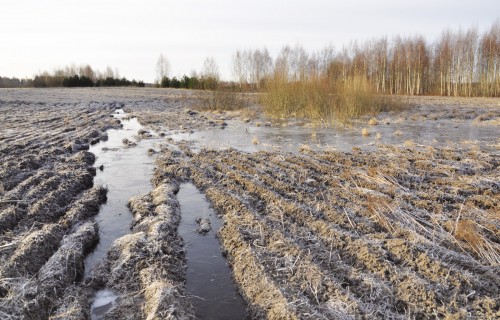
<point>412,205</point>
<point>249,137</point>
<point>126,172</point>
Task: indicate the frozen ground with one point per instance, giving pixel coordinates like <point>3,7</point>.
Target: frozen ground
<point>324,223</point>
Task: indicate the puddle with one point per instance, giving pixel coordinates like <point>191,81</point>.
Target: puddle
<point>208,280</point>
<point>250,138</point>
<point>104,300</point>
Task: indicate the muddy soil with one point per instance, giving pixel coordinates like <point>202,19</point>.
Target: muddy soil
<point>47,200</point>
<point>48,204</point>
<point>402,231</point>
<point>147,266</point>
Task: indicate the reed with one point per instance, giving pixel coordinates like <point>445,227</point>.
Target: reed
<point>322,100</point>
<point>223,99</point>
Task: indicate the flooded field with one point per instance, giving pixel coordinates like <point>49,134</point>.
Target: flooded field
<point>133,215</point>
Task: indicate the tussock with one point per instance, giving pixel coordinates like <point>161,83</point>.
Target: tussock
<point>255,140</point>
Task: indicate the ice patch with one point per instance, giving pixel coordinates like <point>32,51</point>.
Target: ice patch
<point>104,300</point>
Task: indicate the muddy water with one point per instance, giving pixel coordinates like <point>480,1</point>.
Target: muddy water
<point>251,138</point>
<point>209,283</point>
<point>126,172</point>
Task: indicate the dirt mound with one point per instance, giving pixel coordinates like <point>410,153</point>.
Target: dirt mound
<point>36,297</point>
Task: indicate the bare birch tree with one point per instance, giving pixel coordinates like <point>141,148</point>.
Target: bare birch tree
<point>162,68</point>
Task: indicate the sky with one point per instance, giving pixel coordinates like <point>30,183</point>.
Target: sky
<point>130,35</point>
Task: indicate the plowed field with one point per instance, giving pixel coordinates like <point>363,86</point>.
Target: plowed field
<point>396,233</point>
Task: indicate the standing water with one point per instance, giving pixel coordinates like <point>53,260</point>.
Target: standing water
<point>251,138</point>
<point>126,171</point>
<point>208,280</point>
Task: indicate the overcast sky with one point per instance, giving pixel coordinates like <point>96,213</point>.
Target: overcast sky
<point>38,35</point>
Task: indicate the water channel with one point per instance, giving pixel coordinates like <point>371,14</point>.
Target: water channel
<point>209,283</point>
<point>126,172</point>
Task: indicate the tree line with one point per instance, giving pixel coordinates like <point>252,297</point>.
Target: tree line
<point>458,63</point>
<point>73,76</point>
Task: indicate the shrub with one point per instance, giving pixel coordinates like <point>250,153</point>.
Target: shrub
<point>321,100</point>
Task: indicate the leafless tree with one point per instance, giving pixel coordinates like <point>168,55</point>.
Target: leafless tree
<point>210,74</point>
<point>162,68</point>
<point>261,66</point>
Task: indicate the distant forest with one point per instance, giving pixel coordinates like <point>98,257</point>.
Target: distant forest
<point>72,76</point>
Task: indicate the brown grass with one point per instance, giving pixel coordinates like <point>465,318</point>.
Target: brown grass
<point>467,230</point>
<point>322,100</point>
<point>409,143</point>
<point>223,100</point>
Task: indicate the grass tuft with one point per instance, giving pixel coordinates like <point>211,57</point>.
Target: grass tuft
<point>409,143</point>
<point>255,140</point>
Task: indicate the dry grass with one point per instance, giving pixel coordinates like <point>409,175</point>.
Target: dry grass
<point>365,132</point>
<point>373,122</point>
<point>322,101</point>
<point>468,231</point>
<point>255,140</point>
<point>409,143</point>
<point>304,148</point>
<point>223,100</point>
<point>358,234</point>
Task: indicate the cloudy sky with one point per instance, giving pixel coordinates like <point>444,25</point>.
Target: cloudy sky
<point>129,35</point>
